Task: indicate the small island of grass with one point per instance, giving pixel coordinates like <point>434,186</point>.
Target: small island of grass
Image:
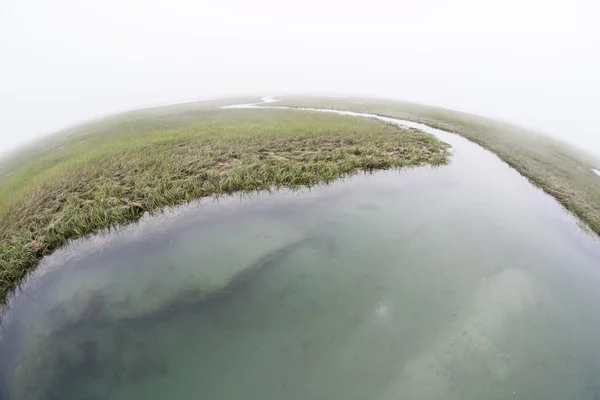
<point>113,171</point>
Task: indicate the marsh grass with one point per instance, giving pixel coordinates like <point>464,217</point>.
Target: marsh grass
<point>559,169</point>
<point>106,173</point>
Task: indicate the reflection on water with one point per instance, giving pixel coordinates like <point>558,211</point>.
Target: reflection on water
<point>459,282</point>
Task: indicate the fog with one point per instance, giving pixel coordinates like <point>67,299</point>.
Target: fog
<point>534,63</point>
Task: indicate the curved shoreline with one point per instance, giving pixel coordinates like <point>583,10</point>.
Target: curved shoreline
<point>203,153</point>
<point>267,103</point>
<point>587,224</point>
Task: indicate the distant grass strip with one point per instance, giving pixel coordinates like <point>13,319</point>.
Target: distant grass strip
<point>111,173</point>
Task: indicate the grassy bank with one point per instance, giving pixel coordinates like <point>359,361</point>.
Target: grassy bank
<point>114,170</point>
<point>559,169</point>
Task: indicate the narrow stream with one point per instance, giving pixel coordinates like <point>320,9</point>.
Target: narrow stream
<point>456,282</point>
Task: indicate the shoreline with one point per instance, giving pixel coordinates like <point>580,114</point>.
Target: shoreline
<point>225,151</point>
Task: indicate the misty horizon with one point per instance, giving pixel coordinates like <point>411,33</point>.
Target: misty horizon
<point>533,64</point>
<point>115,113</point>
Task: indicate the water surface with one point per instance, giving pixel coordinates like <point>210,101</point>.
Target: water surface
<point>458,282</point>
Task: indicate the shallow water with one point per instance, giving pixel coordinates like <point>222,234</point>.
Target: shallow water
<point>458,282</point>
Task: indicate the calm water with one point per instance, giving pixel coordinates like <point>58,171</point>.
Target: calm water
<point>459,282</point>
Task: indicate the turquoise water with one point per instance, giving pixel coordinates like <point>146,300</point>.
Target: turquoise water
<point>458,282</point>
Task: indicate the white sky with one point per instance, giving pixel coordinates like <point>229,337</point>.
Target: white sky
<point>533,62</point>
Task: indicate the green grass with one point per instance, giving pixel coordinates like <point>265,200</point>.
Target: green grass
<point>113,171</point>
<point>559,169</point>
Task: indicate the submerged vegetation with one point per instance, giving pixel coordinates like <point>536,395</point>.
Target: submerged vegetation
<point>115,170</point>
<point>557,168</point>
